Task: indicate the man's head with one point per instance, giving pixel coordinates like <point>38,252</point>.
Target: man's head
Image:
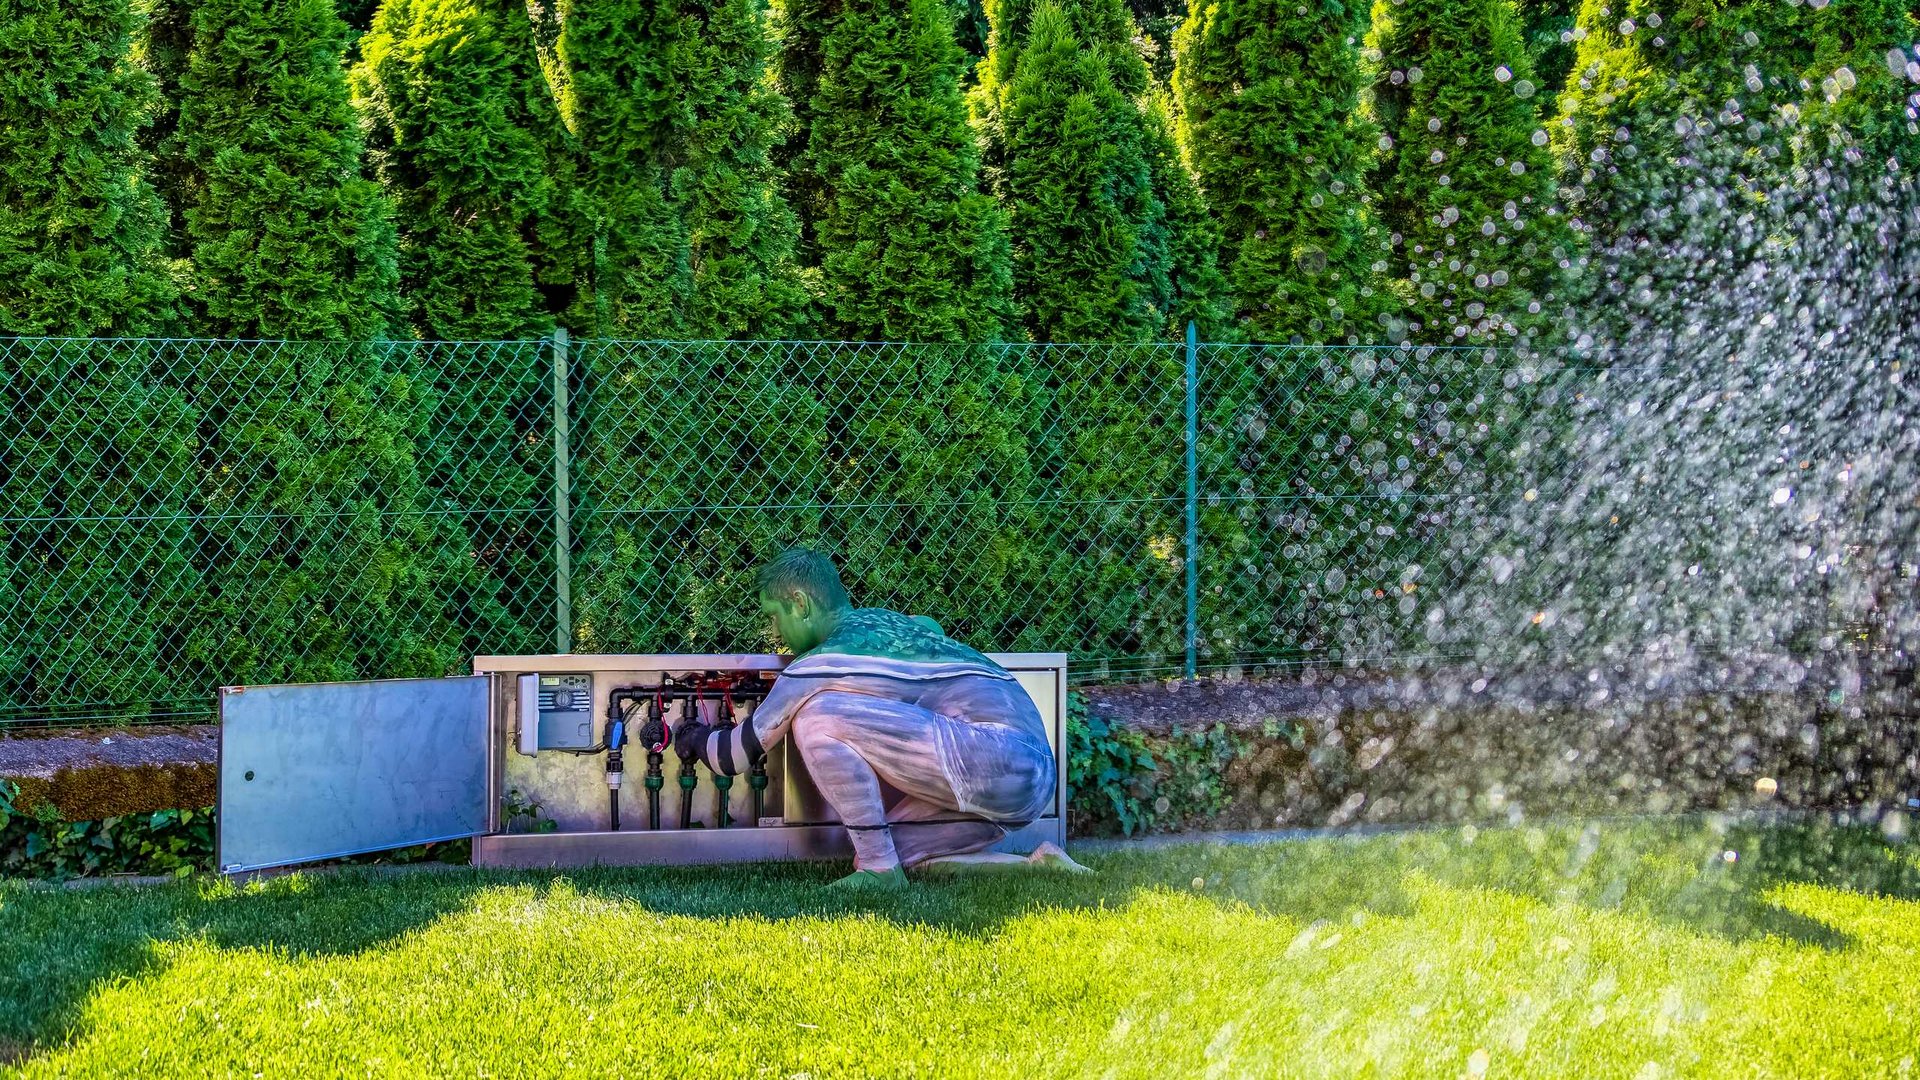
<point>800,592</point>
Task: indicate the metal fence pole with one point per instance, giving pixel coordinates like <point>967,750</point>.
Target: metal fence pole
<point>1193,495</point>
<point>562,503</point>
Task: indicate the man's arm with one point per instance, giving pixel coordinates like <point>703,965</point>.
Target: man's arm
<point>730,751</point>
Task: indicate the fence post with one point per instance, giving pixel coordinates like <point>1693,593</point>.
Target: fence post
<point>1193,495</point>
<point>562,503</point>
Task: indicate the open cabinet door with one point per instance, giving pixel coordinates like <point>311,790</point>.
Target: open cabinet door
<point>329,769</point>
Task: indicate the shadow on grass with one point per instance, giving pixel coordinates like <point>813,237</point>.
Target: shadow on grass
<point>56,946</point>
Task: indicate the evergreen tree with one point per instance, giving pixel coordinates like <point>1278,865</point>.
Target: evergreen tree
<point>461,122</point>
<point>1465,179</point>
<point>1195,290</point>
<point>162,52</point>
<point>468,142</point>
<point>1079,192</point>
<point>1268,98</point>
<point>288,240</point>
<point>741,232</point>
<point>1674,123</point>
<point>909,248</point>
<point>1173,268</point>
<point>1546,31</point>
<point>318,553</point>
<point>80,226</point>
<point>676,123</point>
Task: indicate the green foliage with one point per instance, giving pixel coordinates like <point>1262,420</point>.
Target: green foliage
<point>1078,189</point>
<point>1195,290</point>
<point>1119,778</point>
<point>287,240</point>
<point>461,125</point>
<point>1465,179</point>
<point>98,575</point>
<point>467,140</point>
<point>877,456</point>
<point>1112,241</point>
<point>1676,121</point>
<point>676,125</point>
<point>908,247</point>
<point>1546,29</point>
<point>80,225</point>
<point>177,842</point>
<point>1646,111</point>
<point>180,842</point>
<point>1268,94</point>
<point>321,557</point>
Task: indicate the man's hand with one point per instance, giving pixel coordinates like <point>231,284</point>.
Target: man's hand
<point>690,740</point>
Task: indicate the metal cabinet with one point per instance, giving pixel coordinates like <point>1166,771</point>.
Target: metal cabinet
<point>319,771</point>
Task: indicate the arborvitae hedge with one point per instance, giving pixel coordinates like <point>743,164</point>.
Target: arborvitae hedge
<point>320,554</point>
<point>80,226</point>
<point>461,122</point>
<point>690,236</point>
<point>909,248</point>
<point>741,232</point>
<point>98,582</point>
<point>1174,270</point>
<point>1465,178</point>
<point>1196,290</point>
<point>1672,116</point>
<point>619,92</point>
<point>1268,93</point>
<point>288,240</point>
<point>1079,191</point>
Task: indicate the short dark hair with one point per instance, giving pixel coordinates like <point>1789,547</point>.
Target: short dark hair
<point>807,570</point>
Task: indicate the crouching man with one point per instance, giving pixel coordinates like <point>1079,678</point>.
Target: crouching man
<point>873,695</point>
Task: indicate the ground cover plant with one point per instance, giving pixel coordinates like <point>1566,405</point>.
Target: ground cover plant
<point>1679,947</point>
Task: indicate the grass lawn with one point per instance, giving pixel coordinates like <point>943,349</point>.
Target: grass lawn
<point>1631,950</point>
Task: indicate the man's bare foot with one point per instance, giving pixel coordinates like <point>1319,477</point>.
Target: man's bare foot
<point>1046,857</point>
<point>871,881</point>
<point>1051,856</point>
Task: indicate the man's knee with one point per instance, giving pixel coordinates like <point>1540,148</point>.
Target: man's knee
<point>821,719</point>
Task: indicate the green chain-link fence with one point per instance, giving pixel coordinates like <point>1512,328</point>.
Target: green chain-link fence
<point>183,514</point>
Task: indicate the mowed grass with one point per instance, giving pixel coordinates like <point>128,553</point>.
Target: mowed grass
<point>1631,950</point>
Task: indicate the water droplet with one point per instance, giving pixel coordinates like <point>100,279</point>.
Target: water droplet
<point>1626,27</point>
<point>1729,856</point>
<point>1896,62</point>
<point>1487,228</point>
<point>1781,496</point>
<point>1397,78</point>
<point>1750,38</point>
<point>1386,142</point>
<point>1413,75</point>
<point>1199,883</point>
<point>1477,1062</point>
<point>1433,124</point>
<point>1523,89</point>
<point>1654,20</point>
<point>1540,138</point>
<point>1503,73</point>
<point>1517,168</point>
<point>1336,581</point>
<point>1766,785</point>
<point>1499,277</point>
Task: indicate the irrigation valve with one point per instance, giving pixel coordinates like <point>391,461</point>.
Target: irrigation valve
<point>727,693</point>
